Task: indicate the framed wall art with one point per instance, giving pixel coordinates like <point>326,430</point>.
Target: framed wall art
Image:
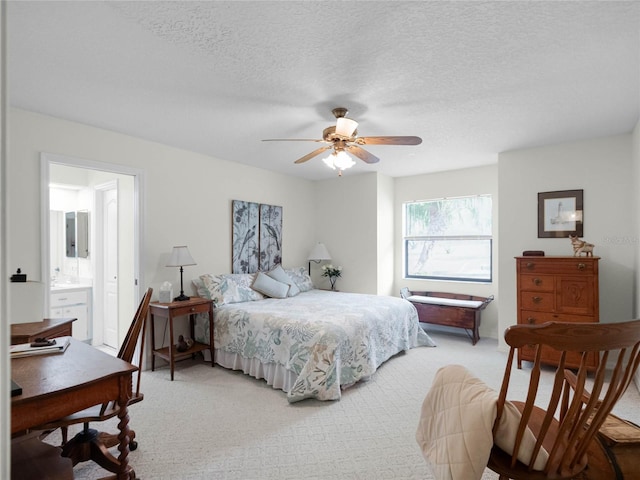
<point>560,214</point>
<point>245,254</point>
<point>270,236</point>
<point>257,236</point>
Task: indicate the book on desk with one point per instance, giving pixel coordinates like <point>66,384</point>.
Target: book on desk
<point>15,389</point>
<point>30,349</point>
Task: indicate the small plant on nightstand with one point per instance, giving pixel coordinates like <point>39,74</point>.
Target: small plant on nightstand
<point>333,273</point>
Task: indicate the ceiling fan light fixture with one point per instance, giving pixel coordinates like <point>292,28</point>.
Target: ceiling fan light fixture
<point>346,127</point>
<point>339,160</point>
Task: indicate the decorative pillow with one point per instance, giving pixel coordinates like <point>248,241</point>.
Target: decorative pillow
<point>201,290</point>
<point>278,273</point>
<point>300,276</point>
<point>230,288</point>
<point>270,287</point>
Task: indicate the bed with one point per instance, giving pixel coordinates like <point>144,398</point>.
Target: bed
<point>312,344</point>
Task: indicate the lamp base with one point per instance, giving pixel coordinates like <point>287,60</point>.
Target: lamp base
<point>181,298</point>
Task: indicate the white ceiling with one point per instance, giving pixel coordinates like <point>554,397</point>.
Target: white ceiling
<point>471,78</point>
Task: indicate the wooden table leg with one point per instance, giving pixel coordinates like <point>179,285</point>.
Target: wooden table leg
<point>212,347</point>
<point>171,359</point>
<point>125,472</point>
<point>153,344</point>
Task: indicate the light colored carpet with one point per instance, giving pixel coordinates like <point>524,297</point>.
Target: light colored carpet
<point>212,423</point>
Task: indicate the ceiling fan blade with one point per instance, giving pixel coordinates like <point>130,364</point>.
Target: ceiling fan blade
<point>389,141</point>
<point>293,140</point>
<point>362,154</point>
<point>315,153</point>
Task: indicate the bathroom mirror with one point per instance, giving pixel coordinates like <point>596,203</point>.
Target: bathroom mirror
<point>82,234</point>
<point>77,234</point>
<point>70,233</point>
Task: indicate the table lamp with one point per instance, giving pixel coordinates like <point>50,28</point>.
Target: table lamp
<point>318,254</point>
<point>180,257</point>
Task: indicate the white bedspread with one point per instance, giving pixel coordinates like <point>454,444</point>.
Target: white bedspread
<point>326,340</point>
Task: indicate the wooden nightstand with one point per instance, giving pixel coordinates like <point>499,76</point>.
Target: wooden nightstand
<point>170,311</point>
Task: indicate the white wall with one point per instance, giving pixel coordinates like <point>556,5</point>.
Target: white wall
<point>188,197</point>
<point>601,167</point>
<point>346,222</point>
<point>635,182</point>
<point>386,235</point>
<point>5,374</point>
<point>455,183</point>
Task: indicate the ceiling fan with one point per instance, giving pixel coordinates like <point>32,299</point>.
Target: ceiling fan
<point>343,138</point>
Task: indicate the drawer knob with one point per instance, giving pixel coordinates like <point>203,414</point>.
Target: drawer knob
<point>536,299</point>
<point>581,266</point>
<point>537,281</point>
<point>193,309</point>
<point>531,320</point>
<point>530,265</point>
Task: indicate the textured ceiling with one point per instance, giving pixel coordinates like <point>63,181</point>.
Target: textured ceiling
<point>471,78</point>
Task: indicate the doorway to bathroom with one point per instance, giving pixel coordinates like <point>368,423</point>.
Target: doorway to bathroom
<point>92,256</point>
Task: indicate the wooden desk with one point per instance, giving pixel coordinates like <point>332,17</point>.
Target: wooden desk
<point>47,328</point>
<point>57,385</point>
<point>174,309</point>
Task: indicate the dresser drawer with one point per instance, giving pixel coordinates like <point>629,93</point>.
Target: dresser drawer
<point>539,301</point>
<point>560,266</point>
<point>537,283</point>
<point>68,298</point>
<point>191,309</point>
<point>551,356</point>
<point>532,317</point>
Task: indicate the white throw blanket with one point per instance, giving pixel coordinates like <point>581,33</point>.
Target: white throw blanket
<point>456,422</point>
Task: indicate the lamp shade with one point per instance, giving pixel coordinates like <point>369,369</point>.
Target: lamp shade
<point>319,252</point>
<point>180,257</point>
<point>345,126</point>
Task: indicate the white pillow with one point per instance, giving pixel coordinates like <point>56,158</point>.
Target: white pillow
<point>301,278</point>
<point>278,273</point>
<point>270,287</point>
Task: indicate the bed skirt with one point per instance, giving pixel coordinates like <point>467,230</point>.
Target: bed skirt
<point>275,375</point>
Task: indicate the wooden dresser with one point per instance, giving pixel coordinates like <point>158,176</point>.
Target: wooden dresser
<point>561,289</point>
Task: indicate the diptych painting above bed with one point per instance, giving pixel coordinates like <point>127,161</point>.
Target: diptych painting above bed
<point>310,345</point>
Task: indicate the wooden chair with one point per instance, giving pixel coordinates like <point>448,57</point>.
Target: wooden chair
<point>90,444</point>
<point>567,428</point>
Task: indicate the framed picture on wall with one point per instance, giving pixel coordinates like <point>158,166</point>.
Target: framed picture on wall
<point>560,214</point>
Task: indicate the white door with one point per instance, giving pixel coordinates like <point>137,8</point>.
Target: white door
<point>110,218</point>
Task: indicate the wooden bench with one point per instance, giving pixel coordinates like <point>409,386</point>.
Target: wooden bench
<point>621,440</point>
<point>449,309</point>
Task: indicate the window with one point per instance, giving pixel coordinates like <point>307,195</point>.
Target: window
<point>448,239</point>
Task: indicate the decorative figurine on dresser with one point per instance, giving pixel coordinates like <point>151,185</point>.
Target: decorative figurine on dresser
<point>561,289</point>
<point>580,247</point>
